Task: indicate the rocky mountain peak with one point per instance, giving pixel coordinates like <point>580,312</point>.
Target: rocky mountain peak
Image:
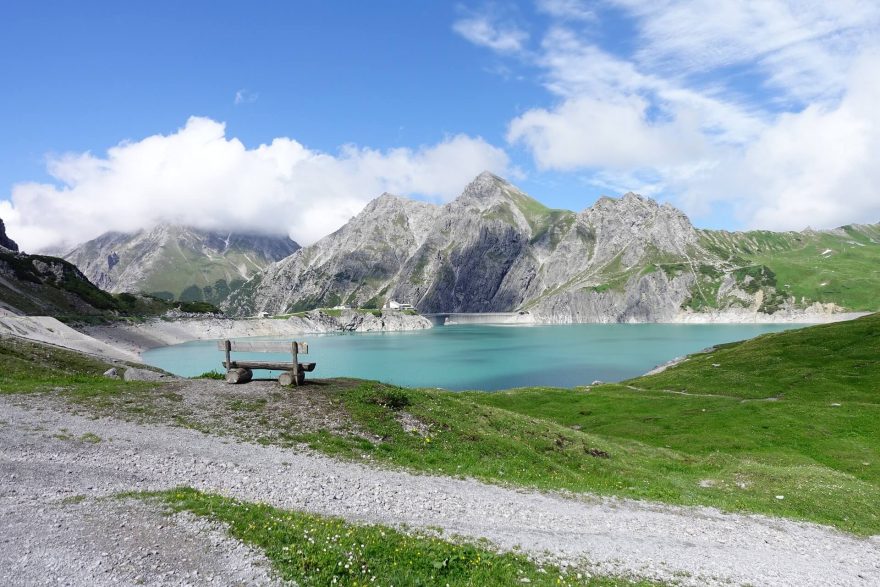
<point>638,224</point>
<point>384,201</point>
<point>177,261</point>
<point>485,190</point>
<point>635,209</point>
<point>5,241</point>
<point>496,199</point>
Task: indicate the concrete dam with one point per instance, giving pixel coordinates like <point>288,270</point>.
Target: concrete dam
<point>450,318</point>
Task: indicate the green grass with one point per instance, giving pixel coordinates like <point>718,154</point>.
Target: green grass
<point>211,375</point>
<point>848,274</point>
<point>792,414</point>
<point>762,419</point>
<point>616,441</point>
<point>32,367</point>
<point>318,550</point>
<point>727,446</point>
<point>827,363</point>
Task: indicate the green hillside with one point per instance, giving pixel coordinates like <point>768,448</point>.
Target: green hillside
<point>193,275</point>
<point>792,414</point>
<point>840,266</point>
<point>784,425</point>
<point>39,285</point>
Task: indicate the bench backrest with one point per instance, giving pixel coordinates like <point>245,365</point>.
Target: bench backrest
<point>264,346</point>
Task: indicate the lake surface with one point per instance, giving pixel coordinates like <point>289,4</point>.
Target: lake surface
<point>488,357</point>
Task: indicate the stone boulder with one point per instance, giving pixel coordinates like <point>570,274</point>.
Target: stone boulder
<point>135,374</point>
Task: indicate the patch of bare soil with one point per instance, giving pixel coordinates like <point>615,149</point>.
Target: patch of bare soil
<point>259,411</point>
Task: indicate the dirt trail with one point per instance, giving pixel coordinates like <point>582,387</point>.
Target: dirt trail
<point>42,462</point>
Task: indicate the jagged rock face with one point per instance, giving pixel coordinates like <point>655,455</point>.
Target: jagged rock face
<point>467,261</point>
<point>493,249</point>
<point>606,266</point>
<point>177,262</point>
<point>352,265</point>
<point>650,298</point>
<point>5,241</point>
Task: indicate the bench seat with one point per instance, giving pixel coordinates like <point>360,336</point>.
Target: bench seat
<point>270,365</point>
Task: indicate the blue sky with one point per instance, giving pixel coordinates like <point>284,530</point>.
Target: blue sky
<point>743,114</point>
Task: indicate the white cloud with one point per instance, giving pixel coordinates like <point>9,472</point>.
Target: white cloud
<point>614,117</point>
<point>588,132</point>
<point>567,9</point>
<point>486,31</point>
<point>244,96</point>
<point>765,108</point>
<point>803,47</point>
<point>817,167</point>
<point>199,176</point>
<point>577,68</point>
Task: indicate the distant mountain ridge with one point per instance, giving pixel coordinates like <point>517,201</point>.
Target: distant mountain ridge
<point>44,285</point>
<point>495,249</point>
<point>179,262</point>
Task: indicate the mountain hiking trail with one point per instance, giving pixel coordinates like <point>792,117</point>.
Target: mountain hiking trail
<point>55,524</point>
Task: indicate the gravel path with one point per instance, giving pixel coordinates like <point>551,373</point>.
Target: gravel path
<point>691,546</point>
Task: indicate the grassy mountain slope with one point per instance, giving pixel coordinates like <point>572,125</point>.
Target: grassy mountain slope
<point>840,266</point>
<point>792,414</point>
<point>39,285</point>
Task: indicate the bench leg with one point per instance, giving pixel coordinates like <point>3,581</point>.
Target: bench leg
<point>300,375</point>
<point>286,378</point>
<point>239,375</point>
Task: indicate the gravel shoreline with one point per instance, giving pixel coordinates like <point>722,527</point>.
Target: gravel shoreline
<point>127,341</point>
<point>42,462</point>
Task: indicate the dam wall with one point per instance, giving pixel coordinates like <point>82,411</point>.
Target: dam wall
<point>444,319</point>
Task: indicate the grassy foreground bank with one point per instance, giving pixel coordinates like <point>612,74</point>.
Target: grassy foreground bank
<point>785,425</point>
<point>319,550</point>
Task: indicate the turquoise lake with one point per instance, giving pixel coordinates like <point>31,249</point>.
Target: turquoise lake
<point>487,357</point>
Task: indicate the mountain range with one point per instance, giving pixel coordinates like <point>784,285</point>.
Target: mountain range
<point>44,285</point>
<point>495,249</point>
<point>492,249</point>
<point>177,262</point>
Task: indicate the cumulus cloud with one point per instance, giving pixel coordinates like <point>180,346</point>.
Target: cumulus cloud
<point>486,31</point>
<point>817,167</point>
<point>198,176</point>
<point>588,132</point>
<point>760,108</point>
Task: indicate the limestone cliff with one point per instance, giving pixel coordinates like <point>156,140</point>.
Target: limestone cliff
<point>495,249</point>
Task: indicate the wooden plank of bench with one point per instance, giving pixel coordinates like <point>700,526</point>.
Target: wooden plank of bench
<point>262,346</point>
<point>270,365</point>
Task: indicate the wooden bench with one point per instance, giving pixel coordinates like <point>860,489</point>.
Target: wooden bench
<point>242,371</point>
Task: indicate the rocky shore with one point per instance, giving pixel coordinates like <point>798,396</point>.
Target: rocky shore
<point>814,314</point>
<point>137,338</point>
<point>127,340</point>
